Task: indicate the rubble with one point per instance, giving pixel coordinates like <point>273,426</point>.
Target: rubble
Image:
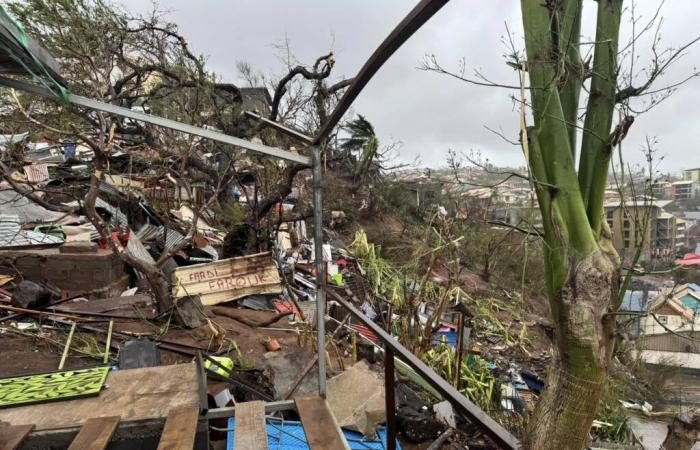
<point>356,398</point>
<point>283,368</point>
<point>28,294</point>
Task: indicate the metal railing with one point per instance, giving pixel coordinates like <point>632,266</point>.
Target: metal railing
<point>461,404</point>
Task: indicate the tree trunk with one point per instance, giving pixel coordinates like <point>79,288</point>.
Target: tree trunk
<point>584,342</point>
<point>160,287</point>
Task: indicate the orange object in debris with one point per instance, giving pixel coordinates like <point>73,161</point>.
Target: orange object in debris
<point>272,345</point>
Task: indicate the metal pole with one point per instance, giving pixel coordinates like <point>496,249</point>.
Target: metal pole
<point>320,273</point>
<point>156,120</point>
<point>389,400</point>
<point>459,348</point>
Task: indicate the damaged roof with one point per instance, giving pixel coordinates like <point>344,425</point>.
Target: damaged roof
<point>14,204</point>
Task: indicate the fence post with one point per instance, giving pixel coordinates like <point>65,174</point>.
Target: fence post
<point>389,396</point>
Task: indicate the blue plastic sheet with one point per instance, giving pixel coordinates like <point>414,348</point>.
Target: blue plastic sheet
<point>289,435</point>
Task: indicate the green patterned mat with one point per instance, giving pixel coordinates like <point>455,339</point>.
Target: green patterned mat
<point>53,386</point>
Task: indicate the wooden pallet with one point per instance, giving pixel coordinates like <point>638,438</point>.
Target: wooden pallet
<point>96,434</point>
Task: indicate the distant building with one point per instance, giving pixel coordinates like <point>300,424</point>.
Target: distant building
<point>692,227</point>
<point>683,190</point>
<point>692,175</point>
<point>661,190</point>
<point>645,223</point>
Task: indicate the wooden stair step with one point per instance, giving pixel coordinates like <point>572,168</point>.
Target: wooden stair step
<point>250,433</point>
<point>320,427</point>
<point>12,436</point>
<point>180,429</point>
<point>95,434</point>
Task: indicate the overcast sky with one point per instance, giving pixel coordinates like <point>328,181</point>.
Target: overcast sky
<point>427,112</point>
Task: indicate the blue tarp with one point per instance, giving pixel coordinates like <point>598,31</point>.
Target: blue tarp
<point>289,435</point>
<point>450,336</point>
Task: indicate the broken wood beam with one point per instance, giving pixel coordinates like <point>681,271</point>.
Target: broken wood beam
<point>12,436</point>
<point>320,427</point>
<point>250,426</point>
<point>95,434</point>
<point>230,411</point>
<point>32,312</point>
<point>180,429</point>
<point>228,312</point>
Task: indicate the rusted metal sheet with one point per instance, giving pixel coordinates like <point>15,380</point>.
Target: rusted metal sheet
<point>228,279</point>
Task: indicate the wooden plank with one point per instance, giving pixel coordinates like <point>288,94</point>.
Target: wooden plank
<point>12,436</point>
<point>180,430</point>
<point>321,430</point>
<point>250,433</point>
<point>95,434</point>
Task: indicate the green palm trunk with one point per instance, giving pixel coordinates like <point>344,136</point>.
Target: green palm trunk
<point>582,270</point>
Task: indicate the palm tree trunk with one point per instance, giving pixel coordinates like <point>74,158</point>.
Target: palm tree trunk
<point>584,343</point>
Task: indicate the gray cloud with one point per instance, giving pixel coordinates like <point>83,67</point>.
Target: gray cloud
<point>428,112</point>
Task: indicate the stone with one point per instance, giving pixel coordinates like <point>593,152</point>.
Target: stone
<point>30,295</point>
<point>445,413</point>
<point>283,368</point>
<point>356,398</point>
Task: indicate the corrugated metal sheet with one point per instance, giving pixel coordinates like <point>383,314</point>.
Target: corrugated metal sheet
<point>118,218</point>
<point>12,203</point>
<point>150,232</point>
<point>36,173</point>
<point>136,249</point>
<point>228,279</point>
<point>173,239</point>
<point>208,249</point>
<point>12,235</point>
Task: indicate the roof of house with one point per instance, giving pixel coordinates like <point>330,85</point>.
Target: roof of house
<point>692,215</point>
<point>638,203</point>
<point>683,299</point>
<point>635,301</point>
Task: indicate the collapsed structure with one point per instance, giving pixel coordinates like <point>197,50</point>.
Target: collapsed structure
<point>73,273</point>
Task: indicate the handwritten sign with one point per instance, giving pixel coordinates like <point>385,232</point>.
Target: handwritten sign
<point>228,279</point>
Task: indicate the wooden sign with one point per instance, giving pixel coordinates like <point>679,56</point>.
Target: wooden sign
<point>228,279</point>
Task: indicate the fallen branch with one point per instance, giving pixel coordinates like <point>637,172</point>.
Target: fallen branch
<point>228,312</point>
<point>310,365</point>
<point>32,312</point>
<point>441,439</point>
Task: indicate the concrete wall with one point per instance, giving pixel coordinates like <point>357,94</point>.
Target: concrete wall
<point>101,274</point>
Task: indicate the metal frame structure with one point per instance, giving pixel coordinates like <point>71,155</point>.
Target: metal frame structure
<point>418,16</point>
<point>159,121</point>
